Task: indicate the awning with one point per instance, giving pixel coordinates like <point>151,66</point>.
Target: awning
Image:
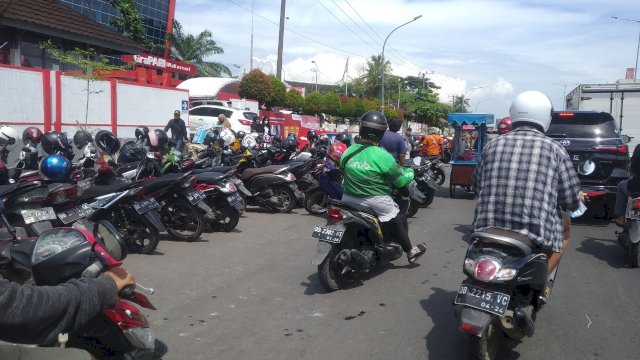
<point>469,119</point>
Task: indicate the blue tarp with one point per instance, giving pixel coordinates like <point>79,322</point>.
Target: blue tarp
<point>469,119</point>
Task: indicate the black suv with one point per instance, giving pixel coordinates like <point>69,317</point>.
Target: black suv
<point>598,152</point>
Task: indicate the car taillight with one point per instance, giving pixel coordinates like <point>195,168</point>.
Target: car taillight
<point>245,122</point>
<point>636,204</point>
<point>620,149</point>
<point>334,215</point>
<point>566,114</point>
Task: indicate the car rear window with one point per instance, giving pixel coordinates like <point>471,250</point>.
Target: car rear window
<point>582,125</point>
<point>249,115</point>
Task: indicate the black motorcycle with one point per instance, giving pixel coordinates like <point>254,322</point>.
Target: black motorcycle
<point>629,237</point>
<point>503,292</point>
<point>222,197</point>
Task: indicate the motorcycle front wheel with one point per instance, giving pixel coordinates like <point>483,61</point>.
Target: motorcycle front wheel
<point>429,194</point>
<point>412,209</point>
<point>439,176</point>
<point>184,222</point>
<point>229,220</point>
<point>487,346</point>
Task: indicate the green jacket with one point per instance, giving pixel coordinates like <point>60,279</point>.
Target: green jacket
<point>373,171</point>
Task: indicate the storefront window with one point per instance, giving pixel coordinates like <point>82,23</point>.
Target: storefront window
<point>31,55</point>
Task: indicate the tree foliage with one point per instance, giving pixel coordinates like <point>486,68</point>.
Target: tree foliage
<point>256,85</point>
<point>373,75</point>
<point>294,100</point>
<point>332,104</point>
<point>130,22</point>
<point>195,49</point>
<point>279,92</point>
<point>314,103</point>
<point>460,104</point>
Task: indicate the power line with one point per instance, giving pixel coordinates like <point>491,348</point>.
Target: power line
<point>375,32</point>
<point>293,31</point>
<point>345,25</point>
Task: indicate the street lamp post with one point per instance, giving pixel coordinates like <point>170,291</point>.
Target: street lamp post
<point>480,102</point>
<point>635,71</point>
<point>316,64</point>
<point>468,91</point>
<point>385,44</point>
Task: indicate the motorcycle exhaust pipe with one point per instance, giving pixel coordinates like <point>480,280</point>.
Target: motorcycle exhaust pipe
<point>355,259</point>
<point>524,321</point>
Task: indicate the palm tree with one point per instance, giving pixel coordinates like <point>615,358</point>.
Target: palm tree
<point>460,104</point>
<point>194,49</point>
<point>373,75</point>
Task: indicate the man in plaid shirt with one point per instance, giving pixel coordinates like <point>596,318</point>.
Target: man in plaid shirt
<point>526,180</point>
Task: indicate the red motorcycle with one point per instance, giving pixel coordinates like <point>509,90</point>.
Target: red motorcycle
<point>122,331</point>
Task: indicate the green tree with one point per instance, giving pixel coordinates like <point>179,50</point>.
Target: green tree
<point>460,104</point>
<point>92,65</point>
<point>130,23</point>
<point>373,75</point>
<point>314,103</point>
<point>347,106</point>
<point>194,49</point>
<point>279,92</point>
<point>256,85</point>
<point>332,103</point>
<point>424,106</point>
<point>415,83</point>
<point>294,100</point>
<point>390,113</point>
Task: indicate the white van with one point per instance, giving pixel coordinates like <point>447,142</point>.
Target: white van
<point>206,116</point>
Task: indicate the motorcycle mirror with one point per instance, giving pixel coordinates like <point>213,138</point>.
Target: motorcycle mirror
<point>417,161</point>
<point>111,239</point>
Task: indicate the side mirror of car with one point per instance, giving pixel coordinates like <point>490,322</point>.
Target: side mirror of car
<point>626,138</point>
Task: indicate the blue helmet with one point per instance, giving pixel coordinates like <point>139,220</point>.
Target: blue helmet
<point>55,168</point>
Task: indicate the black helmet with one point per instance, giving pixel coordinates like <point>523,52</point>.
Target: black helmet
<point>130,153</point>
<point>107,142</point>
<point>290,144</point>
<point>276,140</point>
<point>344,138</point>
<point>142,132</point>
<point>312,136</point>
<point>373,124</point>
<point>82,138</point>
<point>240,135</point>
<point>54,142</point>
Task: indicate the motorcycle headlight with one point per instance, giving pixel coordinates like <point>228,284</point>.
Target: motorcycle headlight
<point>141,338</point>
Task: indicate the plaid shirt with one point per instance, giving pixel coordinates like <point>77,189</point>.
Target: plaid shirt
<point>523,181</point>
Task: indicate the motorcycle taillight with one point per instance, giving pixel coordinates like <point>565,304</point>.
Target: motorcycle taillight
<point>486,270</point>
<point>636,204</point>
<point>334,215</point>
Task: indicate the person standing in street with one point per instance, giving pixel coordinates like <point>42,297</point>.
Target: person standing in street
<point>408,140</point>
<point>393,142</point>
<point>224,122</point>
<point>178,130</point>
<point>432,144</point>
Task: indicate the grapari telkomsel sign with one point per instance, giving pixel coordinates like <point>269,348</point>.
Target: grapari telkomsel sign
<point>157,62</point>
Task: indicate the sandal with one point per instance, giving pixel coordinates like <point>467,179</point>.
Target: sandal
<point>618,223</point>
<point>416,252</point>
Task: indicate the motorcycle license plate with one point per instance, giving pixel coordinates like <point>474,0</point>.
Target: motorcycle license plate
<point>234,199</point>
<point>328,234</point>
<point>146,205</point>
<point>78,212</point>
<point>489,301</point>
<point>196,196</point>
<point>34,215</point>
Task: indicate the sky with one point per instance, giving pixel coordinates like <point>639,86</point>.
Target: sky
<point>490,50</point>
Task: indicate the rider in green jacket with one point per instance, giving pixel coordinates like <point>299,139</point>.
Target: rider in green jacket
<point>370,175</point>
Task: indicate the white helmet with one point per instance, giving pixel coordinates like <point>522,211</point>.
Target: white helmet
<point>8,138</point>
<point>531,107</point>
<point>227,136</point>
<point>90,152</point>
<point>249,141</point>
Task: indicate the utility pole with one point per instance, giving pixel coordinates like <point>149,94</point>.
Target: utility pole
<point>251,51</point>
<point>280,40</point>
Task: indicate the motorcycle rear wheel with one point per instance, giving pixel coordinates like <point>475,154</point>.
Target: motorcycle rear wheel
<point>315,202</point>
<point>184,222</point>
<point>329,272</point>
<point>230,221</point>
<point>412,210</point>
<point>288,199</point>
<point>488,345</point>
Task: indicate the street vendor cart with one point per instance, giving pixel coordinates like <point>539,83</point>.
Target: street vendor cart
<point>469,138</point>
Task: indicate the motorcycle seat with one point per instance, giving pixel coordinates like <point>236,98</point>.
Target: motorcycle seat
<point>506,238</point>
<point>360,208</point>
<point>249,173</point>
<point>210,177</point>
<point>5,189</point>
<point>218,169</point>
<point>152,185</point>
<point>99,190</point>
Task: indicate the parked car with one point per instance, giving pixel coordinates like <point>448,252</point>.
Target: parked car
<point>205,116</point>
<point>599,153</point>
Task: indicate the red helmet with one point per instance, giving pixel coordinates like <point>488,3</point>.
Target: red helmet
<point>504,126</point>
<point>336,150</point>
<point>31,134</point>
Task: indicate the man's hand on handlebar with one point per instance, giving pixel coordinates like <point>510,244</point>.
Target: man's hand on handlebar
<point>121,277</point>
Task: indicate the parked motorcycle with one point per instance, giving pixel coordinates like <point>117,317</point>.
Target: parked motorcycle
<point>502,294</point>
<point>122,331</point>
<point>223,198</point>
<point>629,237</point>
<point>424,182</point>
<point>438,173</point>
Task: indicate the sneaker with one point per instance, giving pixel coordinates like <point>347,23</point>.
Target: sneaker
<point>416,252</point>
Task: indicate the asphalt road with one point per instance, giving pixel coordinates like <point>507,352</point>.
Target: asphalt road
<point>253,294</point>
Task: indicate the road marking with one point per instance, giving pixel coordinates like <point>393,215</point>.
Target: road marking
<point>589,324</point>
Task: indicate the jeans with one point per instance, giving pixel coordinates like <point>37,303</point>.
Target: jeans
<point>179,144</point>
<point>622,195</point>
